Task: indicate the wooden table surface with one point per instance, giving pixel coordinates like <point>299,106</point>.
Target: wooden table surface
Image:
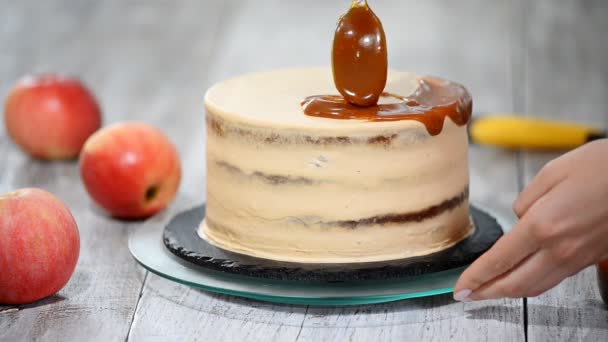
<point>153,60</point>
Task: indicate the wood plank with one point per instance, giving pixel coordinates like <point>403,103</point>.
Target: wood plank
<point>446,41</point>
<point>130,55</point>
<point>567,59</point>
<point>169,311</point>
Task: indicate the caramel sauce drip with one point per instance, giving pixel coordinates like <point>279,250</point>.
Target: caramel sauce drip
<point>359,64</point>
<point>359,58</point>
<point>433,101</point>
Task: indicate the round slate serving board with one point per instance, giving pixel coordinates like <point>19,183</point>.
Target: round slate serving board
<point>181,239</point>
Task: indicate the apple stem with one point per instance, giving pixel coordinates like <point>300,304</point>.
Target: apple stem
<point>151,193</point>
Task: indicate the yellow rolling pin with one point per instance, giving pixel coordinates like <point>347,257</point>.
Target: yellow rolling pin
<point>519,132</point>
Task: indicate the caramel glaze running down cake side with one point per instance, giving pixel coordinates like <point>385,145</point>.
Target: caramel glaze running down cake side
<point>379,172</point>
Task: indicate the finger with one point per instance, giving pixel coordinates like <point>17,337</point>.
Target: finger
<point>535,275</point>
<point>548,177</point>
<point>581,259</point>
<point>508,251</point>
<point>517,282</point>
<point>552,280</point>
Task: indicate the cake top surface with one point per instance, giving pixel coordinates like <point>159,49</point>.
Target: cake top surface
<point>274,98</point>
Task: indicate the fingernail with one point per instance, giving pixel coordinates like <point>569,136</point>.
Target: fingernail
<point>462,295</point>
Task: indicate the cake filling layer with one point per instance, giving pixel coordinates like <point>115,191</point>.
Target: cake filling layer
<point>287,240</point>
<point>416,216</point>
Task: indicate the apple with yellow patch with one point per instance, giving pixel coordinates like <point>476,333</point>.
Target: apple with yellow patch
<point>130,169</point>
<point>51,116</point>
<point>39,245</point>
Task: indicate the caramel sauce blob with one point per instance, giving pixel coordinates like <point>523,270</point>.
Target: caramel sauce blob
<point>433,101</point>
<point>359,57</point>
<point>359,64</point>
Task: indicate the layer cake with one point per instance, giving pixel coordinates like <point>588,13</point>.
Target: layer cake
<point>287,186</point>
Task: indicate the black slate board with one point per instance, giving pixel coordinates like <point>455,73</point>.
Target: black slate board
<point>181,239</point>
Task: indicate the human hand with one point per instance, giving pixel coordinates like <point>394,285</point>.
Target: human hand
<point>563,228</point>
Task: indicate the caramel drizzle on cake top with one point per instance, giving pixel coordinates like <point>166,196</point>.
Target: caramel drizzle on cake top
<point>360,64</point>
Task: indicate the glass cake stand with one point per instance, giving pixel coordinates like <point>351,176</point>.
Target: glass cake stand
<point>146,246</point>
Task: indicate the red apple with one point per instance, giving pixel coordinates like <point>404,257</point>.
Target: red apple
<point>39,245</point>
<point>130,169</point>
<point>51,116</point>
